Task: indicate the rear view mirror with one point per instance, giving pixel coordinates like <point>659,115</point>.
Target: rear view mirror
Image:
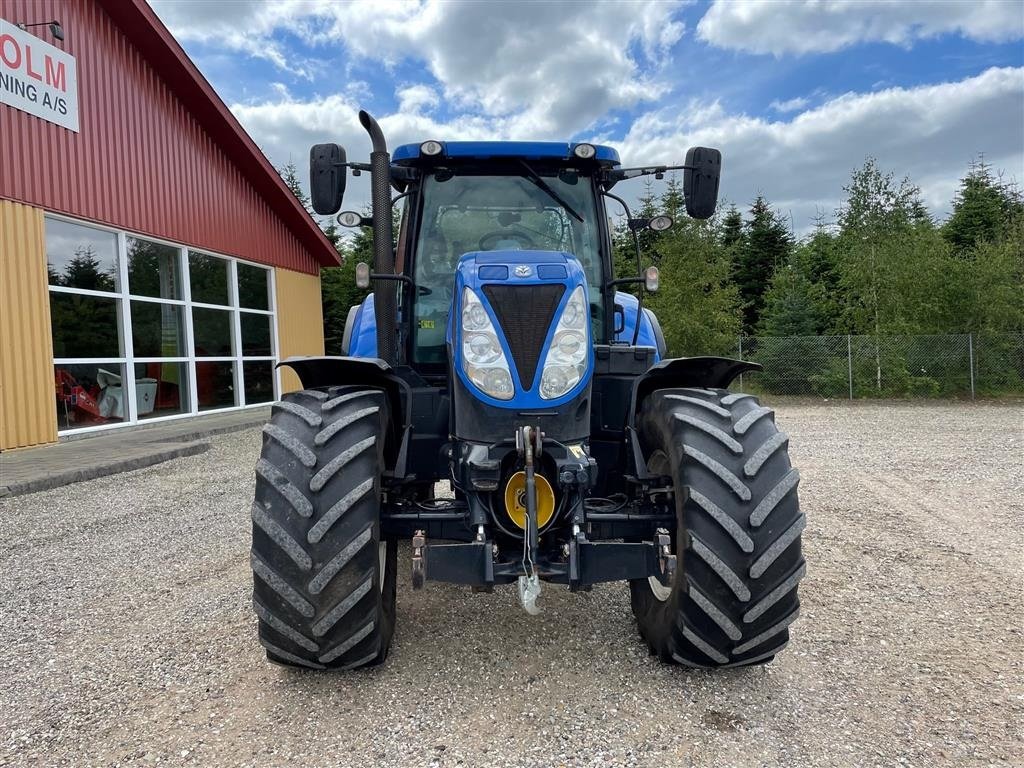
<point>700,181</point>
<point>326,177</point>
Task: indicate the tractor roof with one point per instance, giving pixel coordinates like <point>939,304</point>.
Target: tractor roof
<point>409,154</point>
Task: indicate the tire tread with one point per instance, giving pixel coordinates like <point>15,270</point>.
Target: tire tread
<point>738,542</point>
<point>320,597</point>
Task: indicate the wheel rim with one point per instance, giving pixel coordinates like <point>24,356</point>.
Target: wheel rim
<point>658,464</point>
<point>382,558</point>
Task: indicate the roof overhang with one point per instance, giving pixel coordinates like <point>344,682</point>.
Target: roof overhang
<point>153,40</point>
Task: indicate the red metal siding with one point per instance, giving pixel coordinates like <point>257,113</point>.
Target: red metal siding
<point>141,160</point>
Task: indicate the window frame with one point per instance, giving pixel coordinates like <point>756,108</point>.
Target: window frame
<point>128,360</point>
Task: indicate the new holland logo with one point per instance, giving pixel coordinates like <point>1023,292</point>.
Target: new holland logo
<point>522,270</point>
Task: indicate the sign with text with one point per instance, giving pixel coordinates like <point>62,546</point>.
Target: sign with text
<point>37,78</point>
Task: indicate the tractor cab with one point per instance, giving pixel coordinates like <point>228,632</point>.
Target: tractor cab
<point>486,197</point>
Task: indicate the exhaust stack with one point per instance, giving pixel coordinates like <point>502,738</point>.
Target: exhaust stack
<point>385,305</point>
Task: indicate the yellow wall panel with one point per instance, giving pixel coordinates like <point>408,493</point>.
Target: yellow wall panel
<point>300,322</point>
<point>27,412</point>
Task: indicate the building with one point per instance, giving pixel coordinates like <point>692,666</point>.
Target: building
<point>152,262</point>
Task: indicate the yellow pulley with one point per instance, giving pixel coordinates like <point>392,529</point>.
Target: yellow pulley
<point>515,499</point>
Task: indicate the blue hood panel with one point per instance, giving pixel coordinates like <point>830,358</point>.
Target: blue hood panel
<point>520,269</point>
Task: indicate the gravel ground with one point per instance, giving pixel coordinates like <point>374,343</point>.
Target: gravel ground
<point>128,637</point>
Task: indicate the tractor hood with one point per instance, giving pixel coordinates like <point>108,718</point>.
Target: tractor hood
<point>519,332</point>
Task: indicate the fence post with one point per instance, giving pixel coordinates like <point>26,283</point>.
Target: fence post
<point>970,359</point>
<point>740,340</point>
<point>849,364</point>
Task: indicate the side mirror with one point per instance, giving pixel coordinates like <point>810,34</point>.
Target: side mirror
<point>326,177</point>
<point>700,181</point>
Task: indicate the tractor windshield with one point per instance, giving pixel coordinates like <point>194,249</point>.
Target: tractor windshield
<point>534,210</point>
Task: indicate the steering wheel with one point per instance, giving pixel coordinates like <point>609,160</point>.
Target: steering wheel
<point>491,238</point>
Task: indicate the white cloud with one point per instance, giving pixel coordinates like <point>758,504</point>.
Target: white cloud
<point>548,69</point>
<point>929,133</point>
<point>808,26</point>
<point>241,25</point>
<point>790,105</point>
<point>286,129</point>
<point>417,98</point>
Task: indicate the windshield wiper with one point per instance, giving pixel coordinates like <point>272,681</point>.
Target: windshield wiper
<point>535,177</point>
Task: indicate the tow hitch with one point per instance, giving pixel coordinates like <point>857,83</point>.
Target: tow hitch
<point>528,443</point>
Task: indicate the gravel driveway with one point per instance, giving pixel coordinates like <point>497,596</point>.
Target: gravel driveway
<point>128,636</point>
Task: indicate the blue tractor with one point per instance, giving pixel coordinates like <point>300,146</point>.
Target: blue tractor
<point>498,355</point>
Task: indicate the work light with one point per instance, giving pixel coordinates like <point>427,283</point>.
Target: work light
<point>349,219</point>
<point>584,151</point>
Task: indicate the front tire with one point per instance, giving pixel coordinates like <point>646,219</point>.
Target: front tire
<point>323,580</point>
<point>737,539</point>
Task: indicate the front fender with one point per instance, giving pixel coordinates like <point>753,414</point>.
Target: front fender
<point>711,372</point>
<point>704,372</point>
<point>318,372</point>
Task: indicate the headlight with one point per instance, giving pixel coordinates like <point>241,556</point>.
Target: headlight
<point>570,346</point>
<point>483,359</point>
<point>481,349</point>
<point>474,317</point>
<point>558,379</point>
<point>565,363</point>
<point>496,382</point>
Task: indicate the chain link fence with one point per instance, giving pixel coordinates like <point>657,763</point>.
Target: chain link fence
<point>950,365</point>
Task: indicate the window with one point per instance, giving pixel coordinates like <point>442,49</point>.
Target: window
<point>215,383</point>
<point>186,331</point>
<point>154,269</point>
<point>212,329</point>
<point>158,330</point>
<point>162,389</point>
<point>253,287</point>
<point>82,257</point>
<point>85,326</point>
<point>209,278</point>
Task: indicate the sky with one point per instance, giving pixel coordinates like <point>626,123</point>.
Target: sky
<point>795,94</point>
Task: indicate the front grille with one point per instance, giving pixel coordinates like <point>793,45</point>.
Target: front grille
<point>525,313</point>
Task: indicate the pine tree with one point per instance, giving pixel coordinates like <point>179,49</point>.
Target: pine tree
<point>731,233</point>
<point>794,305</point>
<point>83,271</point>
<point>767,244</point>
<point>290,175</point>
<point>982,209</point>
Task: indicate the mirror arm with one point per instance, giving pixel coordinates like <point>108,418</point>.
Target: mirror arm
<point>397,173</point>
<point>623,281</point>
<point>397,278</point>
<point>639,269</point>
<point>619,174</point>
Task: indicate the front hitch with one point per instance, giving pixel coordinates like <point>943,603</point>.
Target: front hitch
<point>528,443</point>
